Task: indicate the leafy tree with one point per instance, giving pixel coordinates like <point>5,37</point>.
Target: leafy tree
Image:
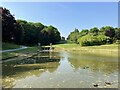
<point>53,34</point>
<point>117,33</point>
<point>11,31</point>
<point>73,36</point>
<point>23,32</point>
<point>39,27</point>
<point>89,40</point>
<point>102,31</point>
<point>18,37</point>
<point>109,31</point>
<point>38,33</point>
<point>84,32</point>
<point>94,36</point>
<point>63,38</point>
<point>45,37</point>
<point>94,31</point>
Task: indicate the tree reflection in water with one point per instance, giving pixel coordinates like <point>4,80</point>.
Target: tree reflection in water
<point>15,70</point>
<point>95,63</point>
<point>71,70</point>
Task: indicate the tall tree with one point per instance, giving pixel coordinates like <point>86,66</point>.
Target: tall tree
<point>117,33</point>
<point>23,32</point>
<point>52,33</point>
<point>73,36</point>
<point>109,31</point>
<point>10,28</point>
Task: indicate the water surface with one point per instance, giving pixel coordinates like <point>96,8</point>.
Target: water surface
<point>61,70</point>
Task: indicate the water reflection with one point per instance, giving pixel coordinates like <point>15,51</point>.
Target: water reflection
<point>14,70</point>
<point>95,63</point>
<point>95,69</point>
<point>61,70</point>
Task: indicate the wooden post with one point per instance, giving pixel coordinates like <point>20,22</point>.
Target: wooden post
<point>39,46</point>
<point>50,46</point>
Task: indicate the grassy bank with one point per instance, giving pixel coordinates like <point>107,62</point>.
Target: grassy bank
<point>25,52</point>
<point>111,49</point>
<point>12,54</point>
<point>6,46</point>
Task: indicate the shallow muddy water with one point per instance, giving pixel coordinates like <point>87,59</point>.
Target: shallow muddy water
<point>61,70</point>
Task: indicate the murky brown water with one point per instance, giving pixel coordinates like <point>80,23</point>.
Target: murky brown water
<point>61,70</point>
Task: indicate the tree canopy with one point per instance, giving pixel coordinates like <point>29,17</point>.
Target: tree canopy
<point>73,36</point>
<point>23,32</point>
<point>95,36</point>
<point>11,31</point>
<point>32,33</point>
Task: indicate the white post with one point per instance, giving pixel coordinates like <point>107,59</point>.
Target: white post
<point>50,46</point>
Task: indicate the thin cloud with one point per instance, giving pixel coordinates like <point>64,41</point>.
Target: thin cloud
<point>62,5</point>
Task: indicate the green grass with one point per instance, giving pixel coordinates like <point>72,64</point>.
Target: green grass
<point>27,51</point>
<point>111,49</point>
<point>7,55</point>
<point>78,47</point>
<point>6,46</point>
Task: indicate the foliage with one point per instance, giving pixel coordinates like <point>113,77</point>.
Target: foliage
<point>11,31</point>
<point>6,46</point>
<point>94,31</point>
<point>84,32</point>
<point>73,36</point>
<point>38,33</point>
<point>92,40</point>
<point>30,33</point>
<point>117,33</point>
<point>109,31</point>
<point>96,36</point>
<point>27,33</point>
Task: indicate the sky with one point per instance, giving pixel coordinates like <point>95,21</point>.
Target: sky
<point>66,16</point>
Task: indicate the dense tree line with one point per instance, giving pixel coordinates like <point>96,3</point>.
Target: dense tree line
<point>38,33</point>
<point>95,36</point>
<point>23,32</point>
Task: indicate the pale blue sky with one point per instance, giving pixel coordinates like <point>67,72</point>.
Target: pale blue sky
<point>67,16</point>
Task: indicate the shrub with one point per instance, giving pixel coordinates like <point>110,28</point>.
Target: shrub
<point>92,40</point>
<point>117,41</point>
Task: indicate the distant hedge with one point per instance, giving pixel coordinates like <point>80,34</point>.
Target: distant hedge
<point>89,40</point>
